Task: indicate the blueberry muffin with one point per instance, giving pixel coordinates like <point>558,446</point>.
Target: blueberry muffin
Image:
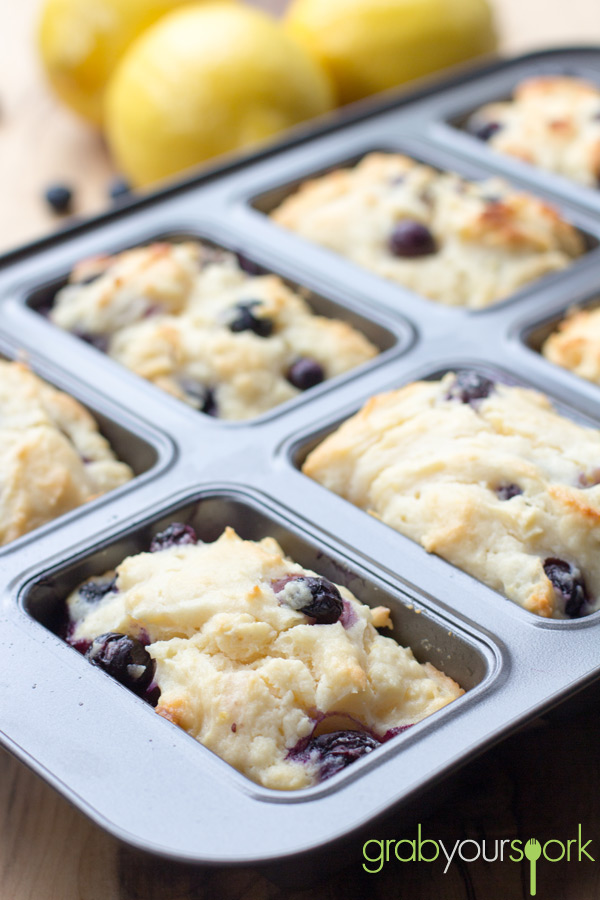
<point>53,457</point>
<point>453,241</point>
<point>489,477</point>
<point>575,345</point>
<point>272,667</point>
<point>190,319</point>
<point>552,122</point>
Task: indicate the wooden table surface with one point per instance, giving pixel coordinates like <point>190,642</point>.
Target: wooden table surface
<point>540,783</point>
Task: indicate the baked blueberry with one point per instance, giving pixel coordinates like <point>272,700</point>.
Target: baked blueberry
<point>204,397</point>
<point>483,129</point>
<point>89,279</point>
<point>305,373</point>
<point>245,320</point>
<point>411,239</point>
<point>209,406</point>
<point>568,581</point>
<point>123,657</point>
<point>152,694</point>
<point>99,341</point>
<point>589,479</point>
<point>82,646</point>
<point>175,535</point>
<point>248,266</point>
<point>426,196</point>
<point>333,752</point>
<point>95,591</point>
<point>59,198</point>
<point>317,598</point>
<point>394,732</point>
<point>469,387</point>
<point>508,491</point>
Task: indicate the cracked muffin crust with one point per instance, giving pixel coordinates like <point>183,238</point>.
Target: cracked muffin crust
<point>52,456</point>
<point>457,242</point>
<point>575,345</point>
<point>552,122</point>
<point>487,476</point>
<point>272,667</point>
<point>188,318</point>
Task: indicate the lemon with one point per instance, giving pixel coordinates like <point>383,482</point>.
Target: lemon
<point>207,79</point>
<point>370,45</point>
<point>81,42</point>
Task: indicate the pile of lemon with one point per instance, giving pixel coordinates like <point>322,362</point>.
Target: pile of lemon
<point>174,83</point>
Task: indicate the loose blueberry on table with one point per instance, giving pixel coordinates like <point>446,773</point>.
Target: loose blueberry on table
<point>59,198</point>
<point>119,188</point>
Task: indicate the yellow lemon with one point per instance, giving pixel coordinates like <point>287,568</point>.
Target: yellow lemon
<point>207,79</point>
<point>370,45</point>
<point>81,42</point>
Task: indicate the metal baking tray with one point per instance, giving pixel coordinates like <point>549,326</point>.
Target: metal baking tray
<point>136,774</point>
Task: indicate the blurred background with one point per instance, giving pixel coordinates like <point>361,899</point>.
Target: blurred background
<point>43,143</point>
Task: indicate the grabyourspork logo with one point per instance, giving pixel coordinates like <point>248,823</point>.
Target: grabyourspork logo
<point>377,853</point>
<point>533,851</point>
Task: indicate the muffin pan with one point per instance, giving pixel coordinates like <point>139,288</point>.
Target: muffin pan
<point>141,777</point>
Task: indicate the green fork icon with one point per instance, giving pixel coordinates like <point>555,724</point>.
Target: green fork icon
<point>533,851</point>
